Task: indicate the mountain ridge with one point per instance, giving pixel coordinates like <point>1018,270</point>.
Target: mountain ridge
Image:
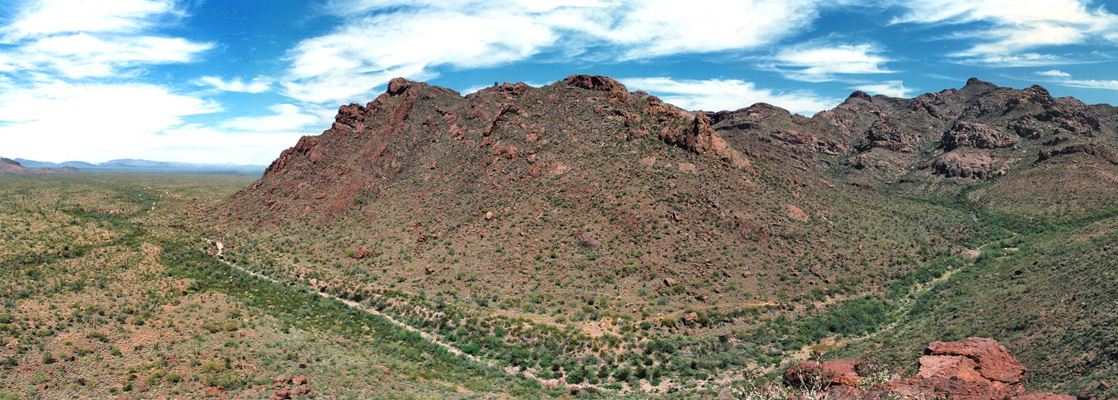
<point>526,202</point>
<point>11,166</point>
<point>141,164</point>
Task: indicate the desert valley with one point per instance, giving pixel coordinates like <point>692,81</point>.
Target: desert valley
<point>583,240</point>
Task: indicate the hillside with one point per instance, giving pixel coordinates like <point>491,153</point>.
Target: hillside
<point>580,224</point>
<point>10,166</point>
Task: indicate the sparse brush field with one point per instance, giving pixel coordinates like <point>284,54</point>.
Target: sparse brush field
<point>110,289</point>
<point>105,296</point>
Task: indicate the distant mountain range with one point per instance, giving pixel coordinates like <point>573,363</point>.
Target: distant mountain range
<point>10,166</point>
<point>145,165</point>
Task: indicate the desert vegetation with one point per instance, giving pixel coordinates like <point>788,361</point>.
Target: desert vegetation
<point>576,240</point>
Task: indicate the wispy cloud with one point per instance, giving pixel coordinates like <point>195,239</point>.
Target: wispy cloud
<point>392,38</point>
<point>1054,73</point>
<point>79,39</point>
<point>1007,28</point>
<point>1018,60</point>
<point>888,88</point>
<point>72,80</point>
<point>1091,84</point>
<point>728,94</point>
<point>49,17</point>
<point>1064,79</point>
<point>825,62</point>
<point>258,84</point>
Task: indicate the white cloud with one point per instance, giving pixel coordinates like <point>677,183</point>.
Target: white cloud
<point>80,39</point>
<point>392,38</point>
<point>728,94</point>
<point>1018,60</point>
<point>1064,79</point>
<point>59,120</point>
<point>1091,84</point>
<point>258,84</point>
<point>664,27</point>
<point>73,88</point>
<point>48,17</point>
<point>1013,26</point>
<point>82,55</point>
<point>820,63</point>
<point>1054,73</point>
<point>888,88</point>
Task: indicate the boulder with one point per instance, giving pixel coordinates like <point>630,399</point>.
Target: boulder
<point>282,394</point>
<point>948,367</point>
<point>843,371</point>
<point>994,362</point>
<point>803,373</point>
<point>971,369</point>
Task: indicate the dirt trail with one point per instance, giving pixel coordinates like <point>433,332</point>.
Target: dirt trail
<point>430,337</point>
<point>903,308</point>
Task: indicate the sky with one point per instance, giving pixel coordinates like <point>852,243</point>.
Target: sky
<point>238,81</point>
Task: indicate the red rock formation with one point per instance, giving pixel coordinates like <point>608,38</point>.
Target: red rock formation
<point>701,139</point>
<point>969,369</point>
<point>994,362</point>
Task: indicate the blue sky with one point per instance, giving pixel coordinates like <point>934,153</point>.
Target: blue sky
<point>238,81</point>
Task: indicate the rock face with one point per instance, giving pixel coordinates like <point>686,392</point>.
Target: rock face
<point>993,361</point>
<point>969,369</point>
<point>977,166</point>
<point>976,132</point>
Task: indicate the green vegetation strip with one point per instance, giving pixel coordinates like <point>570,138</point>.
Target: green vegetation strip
<point>309,311</point>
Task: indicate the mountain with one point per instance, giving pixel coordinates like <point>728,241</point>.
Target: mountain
<point>700,244</point>
<point>44,164</point>
<point>135,164</point>
<point>11,166</point>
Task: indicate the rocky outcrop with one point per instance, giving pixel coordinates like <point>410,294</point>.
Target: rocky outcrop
<point>1089,149</point>
<point>890,136</point>
<point>596,82</point>
<point>993,361</point>
<point>964,165</point>
<point>840,371</point>
<point>977,135</point>
<point>701,139</point>
<point>614,90</point>
<point>969,369</point>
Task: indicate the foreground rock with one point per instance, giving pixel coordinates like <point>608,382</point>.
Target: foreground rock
<point>970,369</point>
